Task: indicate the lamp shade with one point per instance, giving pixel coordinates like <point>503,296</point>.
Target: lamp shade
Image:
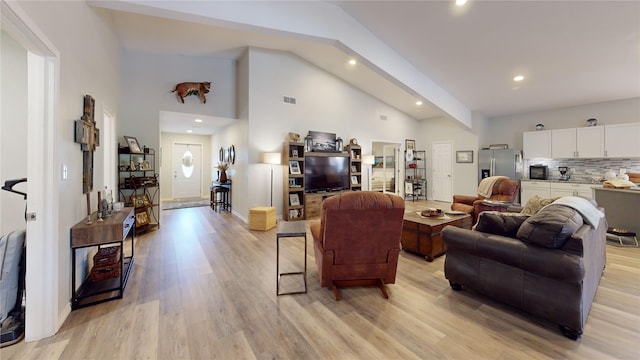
<point>272,158</point>
<point>368,159</point>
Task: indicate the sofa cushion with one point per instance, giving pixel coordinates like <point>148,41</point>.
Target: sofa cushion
<point>550,227</point>
<point>536,203</point>
<point>500,223</point>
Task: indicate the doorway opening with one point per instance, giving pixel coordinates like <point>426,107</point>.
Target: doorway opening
<point>385,172</point>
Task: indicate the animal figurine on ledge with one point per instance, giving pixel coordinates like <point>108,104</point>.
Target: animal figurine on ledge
<point>192,88</point>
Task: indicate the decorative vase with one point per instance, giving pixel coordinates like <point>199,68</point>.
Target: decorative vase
<point>223,176</point>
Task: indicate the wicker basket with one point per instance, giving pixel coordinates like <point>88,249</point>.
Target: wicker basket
<point>107,256</point>
<point>99,273</point>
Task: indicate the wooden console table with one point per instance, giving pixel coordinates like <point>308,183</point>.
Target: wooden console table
<point>114,230</point>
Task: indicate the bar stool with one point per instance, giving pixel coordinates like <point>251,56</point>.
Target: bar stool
<point>220,198</point>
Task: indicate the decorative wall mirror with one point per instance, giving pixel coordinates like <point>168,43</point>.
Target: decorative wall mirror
<point>232,154</point>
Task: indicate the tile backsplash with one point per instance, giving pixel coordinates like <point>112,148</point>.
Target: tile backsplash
<point>584,169</point>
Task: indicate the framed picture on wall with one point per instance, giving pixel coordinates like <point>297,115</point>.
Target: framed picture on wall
<point>465,156</point>
<point>410,144</point>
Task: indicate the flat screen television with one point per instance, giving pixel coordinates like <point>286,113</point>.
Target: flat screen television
<point>326,173</point>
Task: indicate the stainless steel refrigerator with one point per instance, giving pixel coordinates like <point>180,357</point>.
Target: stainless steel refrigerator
<point>500,162</point>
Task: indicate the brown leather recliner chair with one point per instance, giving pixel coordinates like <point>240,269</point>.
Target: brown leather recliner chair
<point>504,189</point>
<point>357,240</point>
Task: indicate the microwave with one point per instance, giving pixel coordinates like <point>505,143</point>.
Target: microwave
<point>538,172</point>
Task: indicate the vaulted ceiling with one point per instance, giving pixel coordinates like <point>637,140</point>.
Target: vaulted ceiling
<point>569,52</point>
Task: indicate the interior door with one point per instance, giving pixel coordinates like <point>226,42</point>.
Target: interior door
<point>441,171</point>
<point>187,171</point>
<point>391,169</point>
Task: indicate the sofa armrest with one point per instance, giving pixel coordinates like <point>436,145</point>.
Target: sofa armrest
<point>552,263</point>
<point>465,199</point>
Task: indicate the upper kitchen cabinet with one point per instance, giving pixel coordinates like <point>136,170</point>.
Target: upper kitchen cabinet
<point>536,144</point>
<point>622,140</point>
<point>586,142</point>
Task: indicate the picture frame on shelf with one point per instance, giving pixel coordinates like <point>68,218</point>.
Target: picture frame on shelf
<point>142,217</point>
<point>464,156</point>
<point>134,146</point>
<point>140,200</point>
<point>410,144</point>
<point>294,200</point>
<point>145,166</point>
<point>354,180</point>
<point>294,167</point>
<point>354,168</point>
<point>294,152</point>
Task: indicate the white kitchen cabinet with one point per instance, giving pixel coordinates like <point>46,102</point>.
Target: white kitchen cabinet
<point>529,188</point>
<point>571,189</point>
<point>586,142</point>
<point>563,143</point>
<point>536,144</point>
<point>590,142</point>
<point>622,140</point>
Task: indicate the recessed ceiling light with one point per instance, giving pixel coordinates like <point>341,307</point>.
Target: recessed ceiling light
<point>352,62</point>
<point>461,2</point>
<point>418,102</point>
<point>189,131</point>
<point>518,78</point>
<point>198,120</point>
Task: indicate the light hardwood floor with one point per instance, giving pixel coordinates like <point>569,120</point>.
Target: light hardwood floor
<point>203,287</point>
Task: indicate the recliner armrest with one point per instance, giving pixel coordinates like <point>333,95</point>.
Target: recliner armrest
<point>465,199</point>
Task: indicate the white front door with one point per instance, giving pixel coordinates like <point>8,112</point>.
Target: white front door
<point>187,171</point>
<point>441,171</point>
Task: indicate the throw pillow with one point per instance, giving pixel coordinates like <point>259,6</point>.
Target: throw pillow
<point>500,223</point>
<point>550,227</point>
<point>534,205</point>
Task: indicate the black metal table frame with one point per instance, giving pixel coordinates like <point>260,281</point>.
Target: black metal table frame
<point>290,229</point>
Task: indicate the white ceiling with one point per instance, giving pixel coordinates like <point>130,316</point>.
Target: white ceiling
<point>570,52</point>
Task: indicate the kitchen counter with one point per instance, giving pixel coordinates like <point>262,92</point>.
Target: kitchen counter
<point>588,182</point>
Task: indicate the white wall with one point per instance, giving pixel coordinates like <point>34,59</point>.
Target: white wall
<point>442,129</point>
<point>165,169</point>
<point>324,103</point>
<point>89,64</point>
<point>13,131</point>
<point>509,129</point>
<point>147,82</point>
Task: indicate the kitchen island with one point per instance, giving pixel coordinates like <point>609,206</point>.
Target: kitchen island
<point>622,207</point>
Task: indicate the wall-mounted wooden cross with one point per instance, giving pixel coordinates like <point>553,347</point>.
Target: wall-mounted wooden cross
<point>88,136</point>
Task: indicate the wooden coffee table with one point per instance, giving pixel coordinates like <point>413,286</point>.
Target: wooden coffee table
<point>422,235</point>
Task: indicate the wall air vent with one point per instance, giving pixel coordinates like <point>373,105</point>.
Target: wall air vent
<point>383,117</point>
<point>289,100</point>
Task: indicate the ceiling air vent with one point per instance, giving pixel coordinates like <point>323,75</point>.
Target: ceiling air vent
<point>289,100</point>
<point>383,117</point>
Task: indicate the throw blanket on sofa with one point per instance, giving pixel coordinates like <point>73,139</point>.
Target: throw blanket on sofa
<point>589,212</point>
<point>486,185</point>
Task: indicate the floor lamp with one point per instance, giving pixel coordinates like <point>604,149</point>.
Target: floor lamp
<point>368,160</point>
<point>271,158</point>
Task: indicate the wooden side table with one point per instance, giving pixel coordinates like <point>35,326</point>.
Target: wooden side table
<point>114,230</point>
<point>291,229</point>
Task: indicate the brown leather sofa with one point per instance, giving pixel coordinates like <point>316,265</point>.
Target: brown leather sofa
<point>503,190</point>
<point>357,240</point>
<point>548,265</point>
